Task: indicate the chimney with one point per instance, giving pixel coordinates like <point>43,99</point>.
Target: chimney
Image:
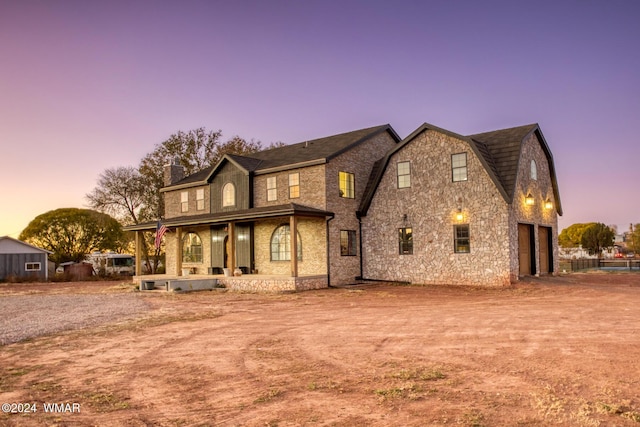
<point>173,172</point>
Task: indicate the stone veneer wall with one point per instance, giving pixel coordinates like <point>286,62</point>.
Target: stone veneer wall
<point>312,188</point>
<point>171,251</point>
<point>314,245</point>
<point>172,205</point>
<point>358,161</point>
<point>541,189</point>
<point>430,206</point>
<point>284,284</point>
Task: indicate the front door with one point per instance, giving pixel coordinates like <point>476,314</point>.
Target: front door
<point>546,255</point>
<point>526,249</point>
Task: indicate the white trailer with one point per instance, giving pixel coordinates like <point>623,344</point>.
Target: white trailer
<point>111,263</point>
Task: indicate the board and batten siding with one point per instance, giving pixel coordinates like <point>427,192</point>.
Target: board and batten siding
<point>14,265</point>
<point>240,179</point>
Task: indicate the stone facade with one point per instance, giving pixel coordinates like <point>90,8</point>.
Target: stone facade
<point>312,187</point>
<point>358,161</point>
<point>173,205</point>
<point>537,214</point>
<point>314,247</point>
<point>430,207</point>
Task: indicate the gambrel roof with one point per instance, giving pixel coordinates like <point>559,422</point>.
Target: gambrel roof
<point>498,151</point>
<point>306,153</point>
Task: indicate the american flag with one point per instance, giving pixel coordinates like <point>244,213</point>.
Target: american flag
<point>160,230</point>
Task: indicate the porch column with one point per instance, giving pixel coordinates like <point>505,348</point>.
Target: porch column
<point>293,235</point>
<point>179,251</point>
<point>232,246</point>
<point>138,245</point>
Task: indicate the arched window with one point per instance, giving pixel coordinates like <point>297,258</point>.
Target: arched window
<point>191,248</point>
<point>281,244</point>
<point>534,170</point>
<point>228,195</point>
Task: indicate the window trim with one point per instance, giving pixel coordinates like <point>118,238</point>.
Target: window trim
<point>348,190</point>
<point>197,258</point>
<point>200,200</point>
<point>405,241</point>
<point>286,251</point>
<point>31,266</point>
<point>351,248</point>
<point>184,201</point>
<point>228,195</point>
<point>460,168</point>
<point>272,191</point>
<point>294,185</point>
<point>407,175</point>
<point>456,239</point>
<point>533,170</point>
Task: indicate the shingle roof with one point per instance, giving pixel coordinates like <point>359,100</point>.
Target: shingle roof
<point>285,210</point>
<point>294,155</point>
<point>498,151</point>
<point>503,148</point>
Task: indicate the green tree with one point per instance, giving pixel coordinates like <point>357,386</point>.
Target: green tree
<point>571,237</point>
<point>596,238</point>
<point>633,239</point>
<point>72,233</point>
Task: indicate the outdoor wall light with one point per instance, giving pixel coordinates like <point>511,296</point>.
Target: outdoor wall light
<point>548,204</point>
<point>529,200</point>
<point>459,215</point>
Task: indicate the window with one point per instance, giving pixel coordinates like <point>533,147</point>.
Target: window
<point>281,244</point>
<point>200,199</point>
<point>228,195</point>
<point>461,243</point>
<point>272,189</point>
<point>348,243</point>
<point>404,174</point>
<point>32,266</point>
<point>405,238</point>
<point>294,185</point>
<point>191,248</point>
<point>534,171</point>
<point>184,201</point>
<point>459,167</point>
<point>347,183</point>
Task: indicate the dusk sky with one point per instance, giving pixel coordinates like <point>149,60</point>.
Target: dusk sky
<point>88,85</point>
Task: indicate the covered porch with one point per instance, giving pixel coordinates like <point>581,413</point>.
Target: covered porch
<point>243,241</point>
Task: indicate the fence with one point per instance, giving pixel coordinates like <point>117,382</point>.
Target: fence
<point>602,264</point>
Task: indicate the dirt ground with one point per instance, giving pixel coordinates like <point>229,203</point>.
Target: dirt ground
<point>553,351</point>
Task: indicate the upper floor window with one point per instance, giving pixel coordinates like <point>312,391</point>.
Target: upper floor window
<point>294,185</point>
<point>200,199</point>
<point>534,171</point>
<point>347,184</point>
<point>272,189</point>
<point>281,244</point>
<point>191,248</point>
<point>184,201</point>
<point>461,242</point>
<point>348,243</point>
<point>228,195</point>
<point>404,174</point>
<point>459,167</point>
<point>405,240</point>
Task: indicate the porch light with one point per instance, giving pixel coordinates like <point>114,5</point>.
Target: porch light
<point>529,200</point>
<point>459,215</point>
<point>548,204</point>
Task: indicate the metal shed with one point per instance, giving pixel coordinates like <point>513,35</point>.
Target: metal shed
<point>22,260</point>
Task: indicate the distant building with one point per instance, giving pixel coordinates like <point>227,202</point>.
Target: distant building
<point>21,260</point>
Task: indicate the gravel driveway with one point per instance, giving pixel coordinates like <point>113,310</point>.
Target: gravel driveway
<point>28,316</point>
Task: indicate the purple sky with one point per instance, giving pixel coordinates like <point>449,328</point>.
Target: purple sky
<point>86,86</point>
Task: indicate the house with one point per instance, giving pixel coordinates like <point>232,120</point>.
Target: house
<point>20,260</point>
<point>442,208</point>
<point>436,207</point>
<point>242,212</point>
